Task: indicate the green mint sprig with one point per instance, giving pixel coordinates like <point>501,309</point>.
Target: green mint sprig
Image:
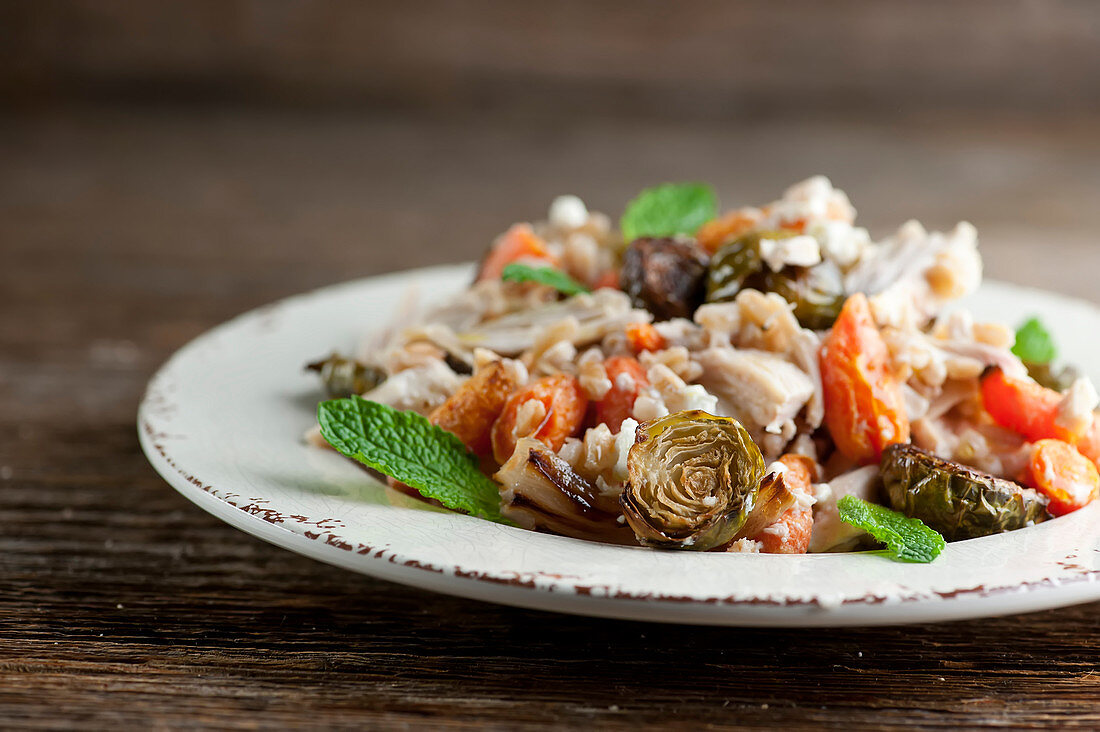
<point>668,209</point>
<point>1034,344</point>
<point>409,448</point>
<point>555,278</point>
<point>907,539</point>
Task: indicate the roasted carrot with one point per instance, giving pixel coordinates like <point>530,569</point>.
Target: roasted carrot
<point>864,406</point>
<point>714,234</point>
<point>609,279</point>
<point>627,379</point>
<point>519,242</point>
<point>558,413</point>
<point>791,533</point>
<point>470,412</point>
<point>1031,410</point>
<point>1057,470</point>
<point>644,337</point>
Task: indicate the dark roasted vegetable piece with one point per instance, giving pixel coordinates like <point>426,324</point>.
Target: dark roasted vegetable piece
<point>1047,375</point>
<point>735,262</point>
<point>817,292</point>
<point>694,480</point>
<point>541,491</point>
<point>345,377</point>
<point>957,501</point>
<point>664,276</point>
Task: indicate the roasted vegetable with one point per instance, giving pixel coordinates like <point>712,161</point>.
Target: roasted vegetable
<point>541,491</point>
<point>790,533</point>
<point>694,480</point>
<point>957,501</point>
<point>1065,476</point>
<point>1051,377</point>
<point>736,262</point>
<point>549,409</point>
<point>344,377</point>
<point>519,243</point>
<point>627,378</point>
<point>470,412</point>
<point>817,292</point>
<point>864,405</point>
<point>664,276</point>
<point>1031,410</point>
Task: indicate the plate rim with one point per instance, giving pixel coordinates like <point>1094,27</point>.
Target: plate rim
<point>388,564</point>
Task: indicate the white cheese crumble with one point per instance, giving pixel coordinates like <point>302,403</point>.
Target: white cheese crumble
<point>802,251</point>
<point>568,212</point>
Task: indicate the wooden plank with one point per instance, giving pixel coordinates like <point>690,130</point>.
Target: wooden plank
<point>123,233</point>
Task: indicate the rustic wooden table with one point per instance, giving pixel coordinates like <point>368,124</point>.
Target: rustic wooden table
<point>125,233</point>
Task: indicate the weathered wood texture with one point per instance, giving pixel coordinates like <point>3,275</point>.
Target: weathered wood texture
<point>124,234</point>
<point>689,58</point>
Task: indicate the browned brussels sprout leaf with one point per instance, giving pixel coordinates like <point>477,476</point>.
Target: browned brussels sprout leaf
<point>664,276</point>
<point>735,262</point>
<point>694,480</point>
<point>344,377</point>
<point>957,501</point>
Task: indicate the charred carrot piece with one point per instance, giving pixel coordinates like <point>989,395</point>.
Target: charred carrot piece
<point>864,406</point>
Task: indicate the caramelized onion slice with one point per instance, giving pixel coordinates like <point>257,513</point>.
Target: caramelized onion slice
<point>540,491</point>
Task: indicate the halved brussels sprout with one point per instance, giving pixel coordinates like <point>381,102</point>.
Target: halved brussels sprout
<point>345,377</point>
<point>957,501</point>
<point>694,479</point>
<point>817,292</point>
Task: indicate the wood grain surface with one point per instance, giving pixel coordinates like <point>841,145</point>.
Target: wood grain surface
<point>126,232</point>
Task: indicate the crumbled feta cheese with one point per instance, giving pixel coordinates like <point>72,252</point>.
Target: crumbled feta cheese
<point>1075,411</point>
<point>710,501</point>
<point>624,440</point>
<point>568,212</point>
<point>745,546</point>
<point>802,251</point>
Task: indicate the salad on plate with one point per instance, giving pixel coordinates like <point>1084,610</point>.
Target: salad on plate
<point>764,379</point>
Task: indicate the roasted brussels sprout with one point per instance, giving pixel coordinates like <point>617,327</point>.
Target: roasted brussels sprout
<point>816,292</point>
<point>735,262</point>
<point>667,277</point>
<point>1047,375</point>
<point>344,377</point>
<point>694,480</point>
<point>957,501</point>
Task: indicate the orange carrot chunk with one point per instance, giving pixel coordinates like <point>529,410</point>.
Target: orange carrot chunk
<point>519,242</point>
<point>1057,470</point>
<point>864,406</point>
<point>791,533</point>
<point>1031,410</point>
<point>628,378</point>
<point>644,337</point>
<point>557,409</point>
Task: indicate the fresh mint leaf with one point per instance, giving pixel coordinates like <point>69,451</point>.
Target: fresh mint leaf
<point>907,539</point>
<point>1034,344</point>
<point>411,449</point>
<point>671,208</point>
<point>555,278</point>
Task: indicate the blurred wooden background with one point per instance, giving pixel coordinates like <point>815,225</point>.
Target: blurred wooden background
<point>696,58</point>
<point>165,166</point>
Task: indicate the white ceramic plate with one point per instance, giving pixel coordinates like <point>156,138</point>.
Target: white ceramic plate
<point>223,419</point>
